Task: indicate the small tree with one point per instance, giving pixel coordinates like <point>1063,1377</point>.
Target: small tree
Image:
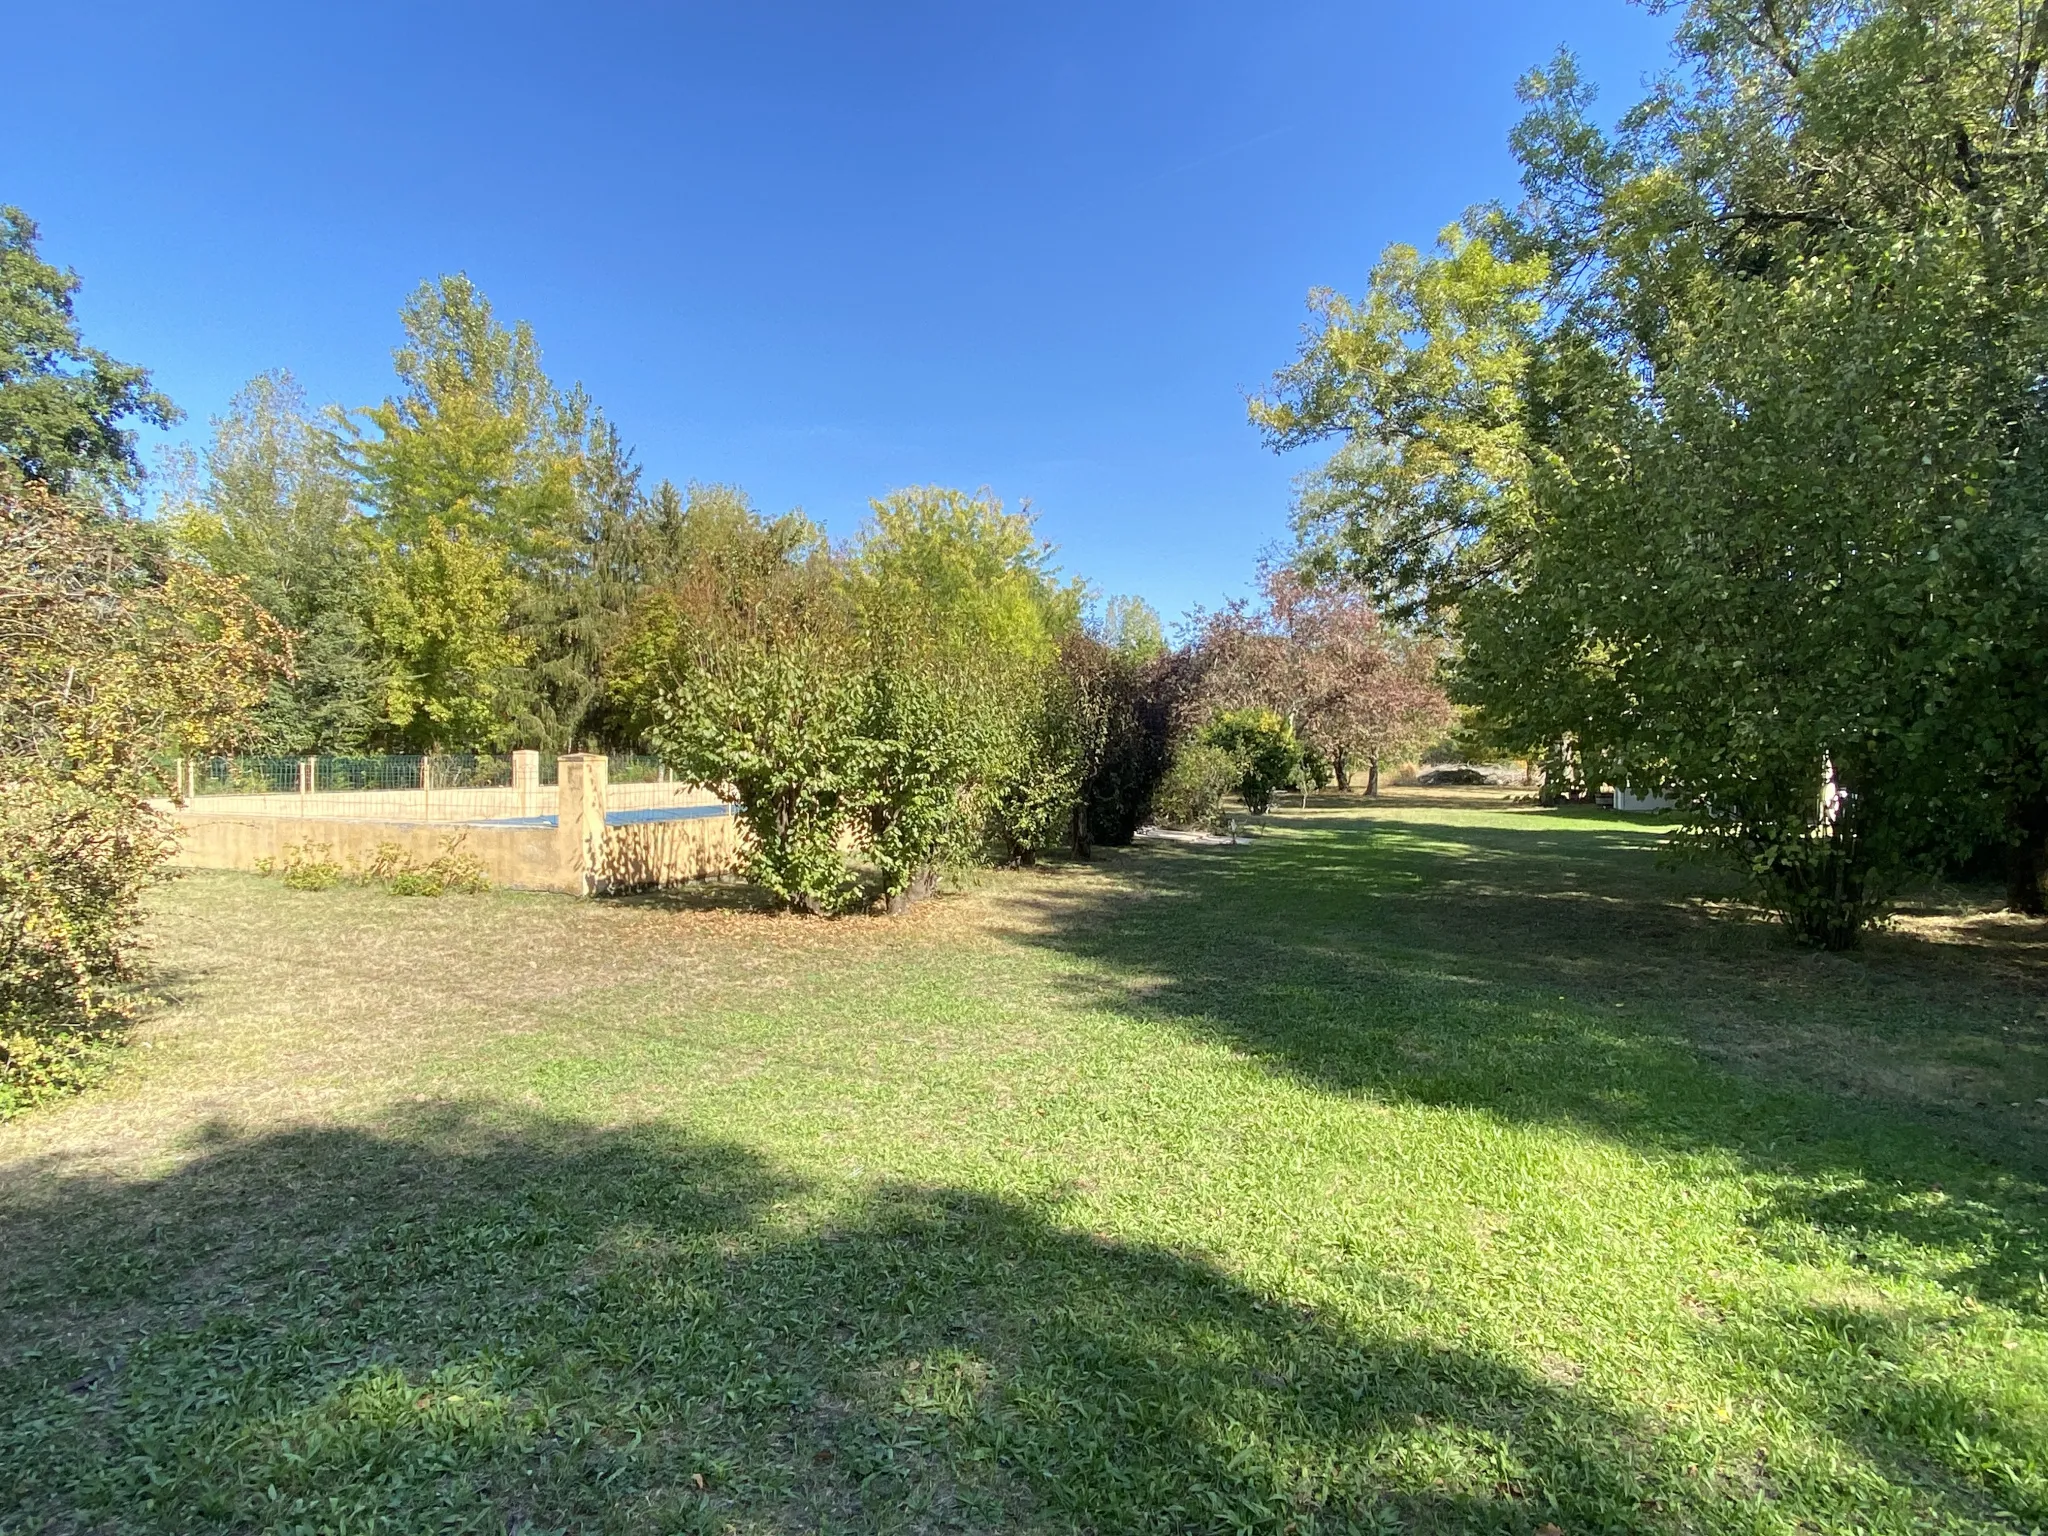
<point>775,726</point>
<point>910,772</point>
<point>64,406</point>
<point>1192,790</point>
<point>110,657</point>
<point>1318,654</point>
<point>1264,748</point>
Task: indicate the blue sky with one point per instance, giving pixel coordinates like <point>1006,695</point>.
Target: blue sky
<point>820,251</point>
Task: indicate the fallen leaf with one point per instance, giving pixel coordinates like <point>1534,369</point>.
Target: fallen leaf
<point>697,1481</point>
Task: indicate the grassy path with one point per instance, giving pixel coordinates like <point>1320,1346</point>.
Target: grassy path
<point>1438,1166</point>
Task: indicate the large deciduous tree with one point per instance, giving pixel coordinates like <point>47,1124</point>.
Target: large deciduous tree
<point>65,407</point>
<point>1733,483</point>
<point>1351,686</point>
<point>111,657</point>
<point>470,471</point>
<point>275,510</point>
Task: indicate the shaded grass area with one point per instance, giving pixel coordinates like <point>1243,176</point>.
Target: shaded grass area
<point>579,1330</point>
<point>1433,1166</point>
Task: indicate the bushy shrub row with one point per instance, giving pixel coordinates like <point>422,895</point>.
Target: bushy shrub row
<point>928,698</point>
<point>107,651</point>
<point>1250,753</point>
<point>73,865</point>
<point>864,778</point>
<point>313,867</point>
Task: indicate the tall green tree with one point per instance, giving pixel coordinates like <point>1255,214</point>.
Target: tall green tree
<point>66,408</point>
<point>1424,384</point>
<point>477,442</point>
<point>1770,537</point>
<point>575,608</point>
<point>275,511</point>
<point>470,471</point>
<point>954,588</point>
<point>959,575</point>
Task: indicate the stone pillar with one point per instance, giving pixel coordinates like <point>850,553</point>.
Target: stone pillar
<point>579,826</point>
<point>525,782</point>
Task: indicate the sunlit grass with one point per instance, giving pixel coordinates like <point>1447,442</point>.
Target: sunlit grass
<point>1445,1165</point>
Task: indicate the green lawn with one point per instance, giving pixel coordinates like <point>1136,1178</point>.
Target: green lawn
<point>1444,1165</point>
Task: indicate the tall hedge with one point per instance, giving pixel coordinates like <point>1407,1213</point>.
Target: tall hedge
<point>111,657</point>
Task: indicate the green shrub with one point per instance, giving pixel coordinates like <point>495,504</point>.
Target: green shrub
<point>1315,771</point>
<point>451,871</point>
<point>1138,701</point>
<point>1039,753</point>
<point>309,867</point>
<point>111,659</point>
<point>313,867</point>
<point>73,866</point>
<point>387,862</point>
<point>909,776</point>
<point>1264,749</point>
<point>774,723</point>
<point>462,873</point>
<point>1191,793</point>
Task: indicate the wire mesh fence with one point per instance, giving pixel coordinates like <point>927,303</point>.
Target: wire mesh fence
<point>626,769</point>
<point>444,787</point>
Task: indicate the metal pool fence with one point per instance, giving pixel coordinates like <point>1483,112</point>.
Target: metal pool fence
<point>443,787</point>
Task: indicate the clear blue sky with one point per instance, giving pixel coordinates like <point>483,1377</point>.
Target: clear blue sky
<point>821,251</point>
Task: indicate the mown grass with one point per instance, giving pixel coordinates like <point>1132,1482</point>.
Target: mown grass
<point>1443,1165</point>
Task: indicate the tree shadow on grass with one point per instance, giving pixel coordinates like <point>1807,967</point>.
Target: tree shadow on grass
<point>698,896</point>
<point>1553,972</point>
<point>1543,965</point>
<point>464,1322</point>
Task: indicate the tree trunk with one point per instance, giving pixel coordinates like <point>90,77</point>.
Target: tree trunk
<point>1342,765</point>
<point>1372,774</point>
<point>922,884</point>
<point>1078,829</point>
<point>2025,874</point>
